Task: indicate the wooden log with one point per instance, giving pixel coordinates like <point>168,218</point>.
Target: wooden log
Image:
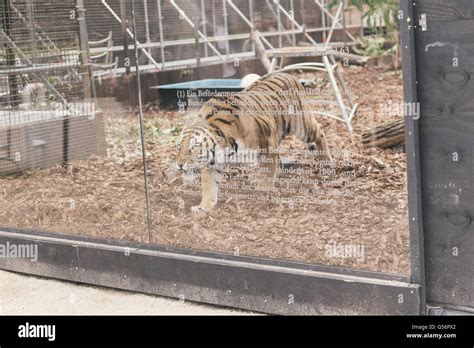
<point>388,135</point>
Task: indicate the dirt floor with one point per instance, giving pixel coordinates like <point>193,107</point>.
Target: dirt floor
<point>354,214</point>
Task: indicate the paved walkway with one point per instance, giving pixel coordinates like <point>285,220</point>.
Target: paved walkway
<point>28,295</point>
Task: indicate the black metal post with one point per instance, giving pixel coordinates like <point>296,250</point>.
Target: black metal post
<point>417,253</point>
<point>66,141</point>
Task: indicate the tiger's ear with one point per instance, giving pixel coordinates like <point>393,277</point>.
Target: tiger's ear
<point>249,80</point>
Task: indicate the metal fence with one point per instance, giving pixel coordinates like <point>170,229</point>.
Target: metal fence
<point>46,96</point>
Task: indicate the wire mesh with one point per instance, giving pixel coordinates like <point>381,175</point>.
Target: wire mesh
<point>43,85</point>
<point>54,172</point>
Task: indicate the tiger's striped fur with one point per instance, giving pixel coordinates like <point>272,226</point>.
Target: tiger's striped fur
<point>259,118</point>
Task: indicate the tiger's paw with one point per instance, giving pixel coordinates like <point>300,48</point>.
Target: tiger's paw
<point>201,209</point>
<point>312,147</point>
<point>197,210</point>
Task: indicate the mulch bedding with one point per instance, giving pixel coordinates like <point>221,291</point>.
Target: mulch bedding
<point>363,225</point>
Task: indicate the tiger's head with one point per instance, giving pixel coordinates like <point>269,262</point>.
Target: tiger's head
<point>196,149</point>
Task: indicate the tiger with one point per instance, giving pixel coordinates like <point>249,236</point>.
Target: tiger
<point>256,119</point>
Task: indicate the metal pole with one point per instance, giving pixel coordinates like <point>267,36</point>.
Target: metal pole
<point>147,25</point>
<point>302,15</point>
<point>10,54</point>
<point>249,23</point>
<point>280,38</point>
<point>142,124</point>
<point>112,12</point>
<point>86,55</point>
<point>414,183</point>
<point>334,18</point>
<point>334,24</point>
<point>123,13</point>
<point>26,69</point>
<point>323,20</point>
<point>162,41</point>
<point>292,8</point>
<point>214,26</point>
<point>84,39</point>
<point>251,14</point>
<point>236,9</point>
<point>277,16</point>
<point>86,73</point>
<point>204,24</point>
<point>31,27</point>
<point>196,44</point>
<point>340,100</point>
<point>190,22</point>
<point>301,28</point>
<point>344,22</point>
<point>226,28</point>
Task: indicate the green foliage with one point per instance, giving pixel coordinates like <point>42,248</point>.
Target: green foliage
<point>377,9</point>
<point>371,47</point>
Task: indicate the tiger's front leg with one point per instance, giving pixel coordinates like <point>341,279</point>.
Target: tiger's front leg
<point>210,180</point>
<point>268,172</point>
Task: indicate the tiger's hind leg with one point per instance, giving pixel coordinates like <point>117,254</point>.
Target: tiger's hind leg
<point>322,148</point>
<point>316,139</point>
<point>210,180</point>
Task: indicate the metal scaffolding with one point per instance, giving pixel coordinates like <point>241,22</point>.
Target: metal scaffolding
<point>223,29</point>
<point>183,34</point>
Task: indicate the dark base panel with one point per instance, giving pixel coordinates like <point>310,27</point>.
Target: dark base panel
<point>225,282</point>
<point>441,309</point>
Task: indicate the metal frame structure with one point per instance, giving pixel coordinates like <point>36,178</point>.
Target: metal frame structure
<point>347,113</point>
<point>325,51</point>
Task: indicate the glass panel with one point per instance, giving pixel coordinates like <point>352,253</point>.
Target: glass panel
<point>339,194</point>
<point>348,211</point>
<point>66,166</point>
